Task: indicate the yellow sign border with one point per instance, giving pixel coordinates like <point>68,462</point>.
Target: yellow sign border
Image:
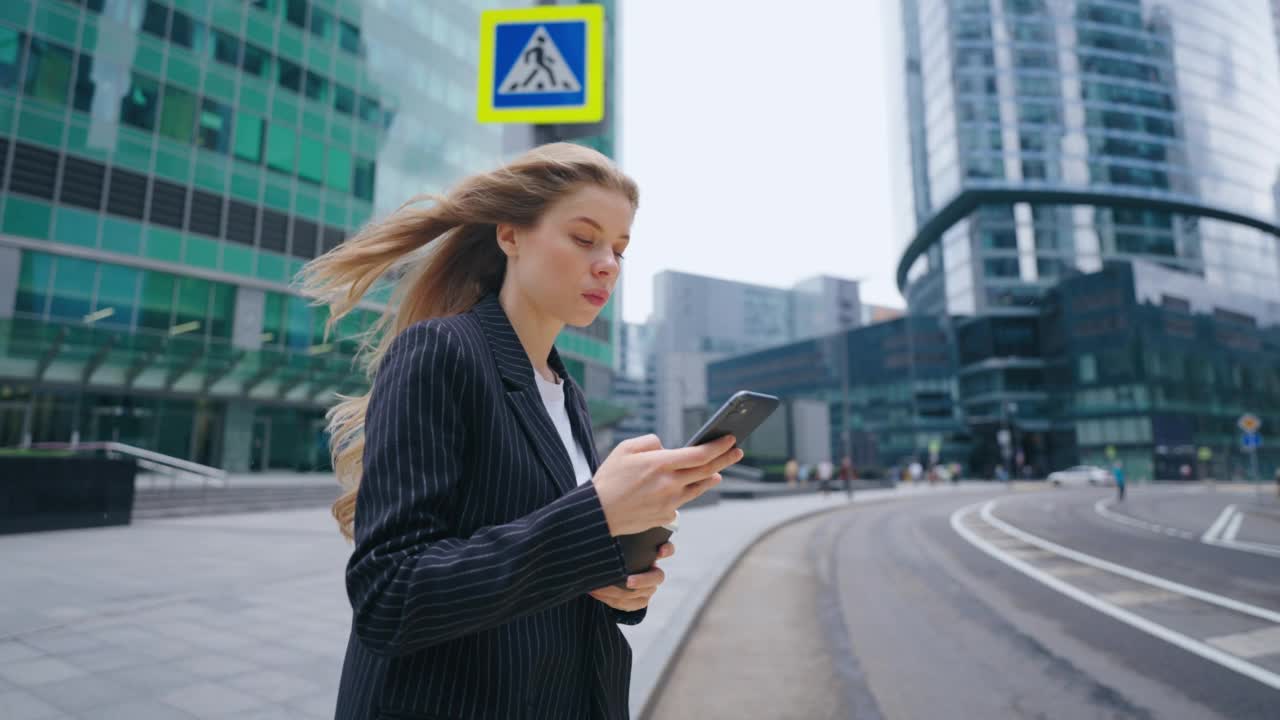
<point>592,110</point>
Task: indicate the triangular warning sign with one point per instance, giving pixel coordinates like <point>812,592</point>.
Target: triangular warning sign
<point>539,69</point>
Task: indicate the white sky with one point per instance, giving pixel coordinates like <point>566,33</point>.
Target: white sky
<point>759,135</point>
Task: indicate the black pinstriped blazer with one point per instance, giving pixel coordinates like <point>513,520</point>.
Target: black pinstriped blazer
<point>474,547</point>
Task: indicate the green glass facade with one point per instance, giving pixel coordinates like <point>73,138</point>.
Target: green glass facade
<point>1135,363</point>
<point>169,166</point>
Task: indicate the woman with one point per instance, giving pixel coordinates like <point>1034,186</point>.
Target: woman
<point>486,553</point>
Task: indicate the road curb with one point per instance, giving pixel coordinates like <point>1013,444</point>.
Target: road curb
<point>647,682</point>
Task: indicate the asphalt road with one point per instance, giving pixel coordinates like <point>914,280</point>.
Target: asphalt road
<point>1037,604</point>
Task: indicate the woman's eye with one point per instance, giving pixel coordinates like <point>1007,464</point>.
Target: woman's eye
<point>584,241</point>
<point>619,256</point>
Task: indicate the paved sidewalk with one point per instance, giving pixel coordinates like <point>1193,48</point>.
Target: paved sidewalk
<point>246,616</point>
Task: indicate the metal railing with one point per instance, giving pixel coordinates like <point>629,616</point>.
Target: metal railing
<point>153,462</point>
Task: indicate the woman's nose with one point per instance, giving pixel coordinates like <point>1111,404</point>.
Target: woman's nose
<point>607,266</point>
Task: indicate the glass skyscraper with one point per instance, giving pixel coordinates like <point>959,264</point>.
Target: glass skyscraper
<point>168,166</point>
<point>1051,137</point>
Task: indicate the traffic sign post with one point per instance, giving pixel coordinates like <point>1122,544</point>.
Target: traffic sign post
<point>1250,442</point>
<point>541,64</point>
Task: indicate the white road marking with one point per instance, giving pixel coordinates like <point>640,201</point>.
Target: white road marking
<point>1101,508</point>
<point>1233,527</point>
<point>1121,570</point>
<point>1257,548</point>
<point>1138,597</point>
<point>1072,570</point>
<point>1223,534</point>
<point>1189,644</point>
<point>1216,535</point>
<point>1212,533</point>
<point>1252,644</point>
<point>1031,554</point>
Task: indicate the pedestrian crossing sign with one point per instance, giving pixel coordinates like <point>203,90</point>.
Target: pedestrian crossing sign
<point>541,64</point>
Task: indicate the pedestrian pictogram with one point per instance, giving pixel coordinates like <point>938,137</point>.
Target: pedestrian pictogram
<point>540,69</point>
<point>542,64</point>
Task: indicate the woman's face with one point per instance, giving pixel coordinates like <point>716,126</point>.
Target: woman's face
<point>567,264</point>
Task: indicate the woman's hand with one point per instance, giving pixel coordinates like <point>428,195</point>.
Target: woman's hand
<point>640,588</point>
<point>641,485</point>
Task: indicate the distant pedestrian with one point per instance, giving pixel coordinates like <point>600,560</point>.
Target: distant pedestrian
<point>805,469</point>
<point>1119,473</point>
<point>791,471</point>
<point>941,473</point>
<point>1002,475</point>
<point>847,476</point>
<point>825,472</point>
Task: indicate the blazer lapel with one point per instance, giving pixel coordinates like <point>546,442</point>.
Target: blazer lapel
<point>522,392</point>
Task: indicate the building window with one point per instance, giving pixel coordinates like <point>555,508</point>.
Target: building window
<point>362,180</point>
<point>73,281</point>
<point>275,231</point>
<point>186,32</point>
<point>317,87</point>
<point>344,99</point>
<point>256,61</point>
<point>11,43</point>
<point>138,106</point>
<point>48,72</point>
<point>1088,368</point>
<point>295,12</point>
<point>156,19</point>
<point>290,76</point>
<point>311,160</point>
<point>321,24</point>
<point>249,137</point>
<point>82,99</point>
<point>349,37</point>
<point>226,48</point>
<point>281,150</point>
<point>222,311</point>
<point>369,110</point>
<point>215,126</point>
<point>33,283</point>
<point>1001,267</point>
<point>338,176</point>
<point>178,115</point>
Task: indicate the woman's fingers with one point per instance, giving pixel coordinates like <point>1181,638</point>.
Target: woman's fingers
<point>705,471</point>
<point>692,492</point>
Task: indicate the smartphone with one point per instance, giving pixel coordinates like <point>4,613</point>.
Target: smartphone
<point>739,416</point>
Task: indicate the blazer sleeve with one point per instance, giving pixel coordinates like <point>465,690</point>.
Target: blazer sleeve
<point>622,617</point>
<point>633,617</point>
<point>412,581</point>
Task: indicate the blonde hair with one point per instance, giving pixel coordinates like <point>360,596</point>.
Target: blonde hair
<point>461,264</point>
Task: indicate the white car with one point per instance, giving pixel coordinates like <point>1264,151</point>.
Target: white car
<point>1081,475</point>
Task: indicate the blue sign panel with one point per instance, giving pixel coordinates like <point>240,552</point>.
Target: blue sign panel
<point>540,65</point>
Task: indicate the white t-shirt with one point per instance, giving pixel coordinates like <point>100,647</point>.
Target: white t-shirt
<point>553,398</point>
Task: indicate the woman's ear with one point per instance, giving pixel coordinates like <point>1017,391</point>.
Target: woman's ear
<point>507,240</point>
